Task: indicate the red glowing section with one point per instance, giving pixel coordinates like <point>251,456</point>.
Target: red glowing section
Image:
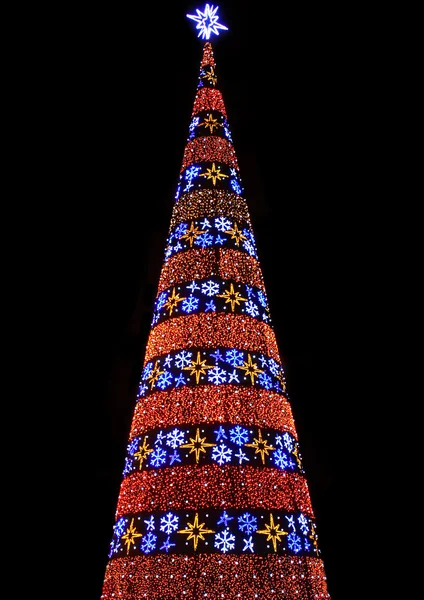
<point>210,330</point>
<point>213,486</point>
<point>210,204</point>
<point>208,99</point>
<point>211,404</point>
<point>206,262</point>
<point>209,149</point>
<point>215,577</point>
<point>207,58</point>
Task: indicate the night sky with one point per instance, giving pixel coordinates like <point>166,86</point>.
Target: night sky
<point>295,118</point>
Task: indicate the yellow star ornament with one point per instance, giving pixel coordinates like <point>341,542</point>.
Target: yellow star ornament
<point>297,455</point>
<point>210,76</point>
<point>250,369</point>
<point>314,538</point>
<point>232,297</point>
<point>273,532</point>
<point>261,446</point>
<point>211,123</point>
<point>236,234</point>
<point>154,375</point>
<point>197,445</point>
<point>198,367</point>
<point>195,531</point>
<point>172,301</point>
<point>143,452</point>
<point>130,536</point>
<point>214,174</point>
<point>191,234</point>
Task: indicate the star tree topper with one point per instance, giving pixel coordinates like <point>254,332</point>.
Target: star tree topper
<point>207,21</point>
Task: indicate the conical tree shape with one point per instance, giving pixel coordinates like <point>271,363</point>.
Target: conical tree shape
<point>214,502</point>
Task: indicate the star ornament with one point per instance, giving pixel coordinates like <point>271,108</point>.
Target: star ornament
<point>207,21</point>
<point>273,532</point>
<point>197,445</point>
<point>154,375</point>
<point>130,536</point>
<point>261,446</point>
<point>191,235</point>
<point>172,301</point>
<point>214,174</point>
<point>198,367</point>
<point>232,296</point>
<point>195,531</point>
<point>250,369</point>
<point>143,452</point>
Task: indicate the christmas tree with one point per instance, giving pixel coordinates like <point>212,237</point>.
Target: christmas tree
<point>214,502</point>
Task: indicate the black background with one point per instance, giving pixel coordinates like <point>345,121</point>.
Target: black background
<point>298,95</point>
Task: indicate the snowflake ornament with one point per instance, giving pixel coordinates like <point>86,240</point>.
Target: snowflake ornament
<point>169,523</point>
<point>225,541</point>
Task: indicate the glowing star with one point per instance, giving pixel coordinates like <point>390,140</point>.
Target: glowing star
<point>233,297</point>
<point>154,375</point>
<point>280,378</point>
<point>191,234</point>
<point>297,455</point>
<point>250,369</point>
<point>261,446</point>
<point>214,174</point>
<point>236,234</point>
<point>211,123</point>
<point>207,22</point>
<point>314,537</point>
<point>143,452</point>
<point>130,536</point>
<point>273,533</point>
<point>210,76</point>
<point>197,445</point>
<point>198,367</point>
<point>172,301</point>
<point>195,531</point>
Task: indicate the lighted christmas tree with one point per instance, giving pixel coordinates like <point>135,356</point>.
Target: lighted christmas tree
<point>214,502</point>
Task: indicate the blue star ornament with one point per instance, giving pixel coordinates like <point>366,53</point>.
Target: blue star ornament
<point>207,21</point>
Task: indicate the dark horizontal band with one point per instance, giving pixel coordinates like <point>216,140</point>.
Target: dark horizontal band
<point>250,531</point>
<point>220,444</point>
